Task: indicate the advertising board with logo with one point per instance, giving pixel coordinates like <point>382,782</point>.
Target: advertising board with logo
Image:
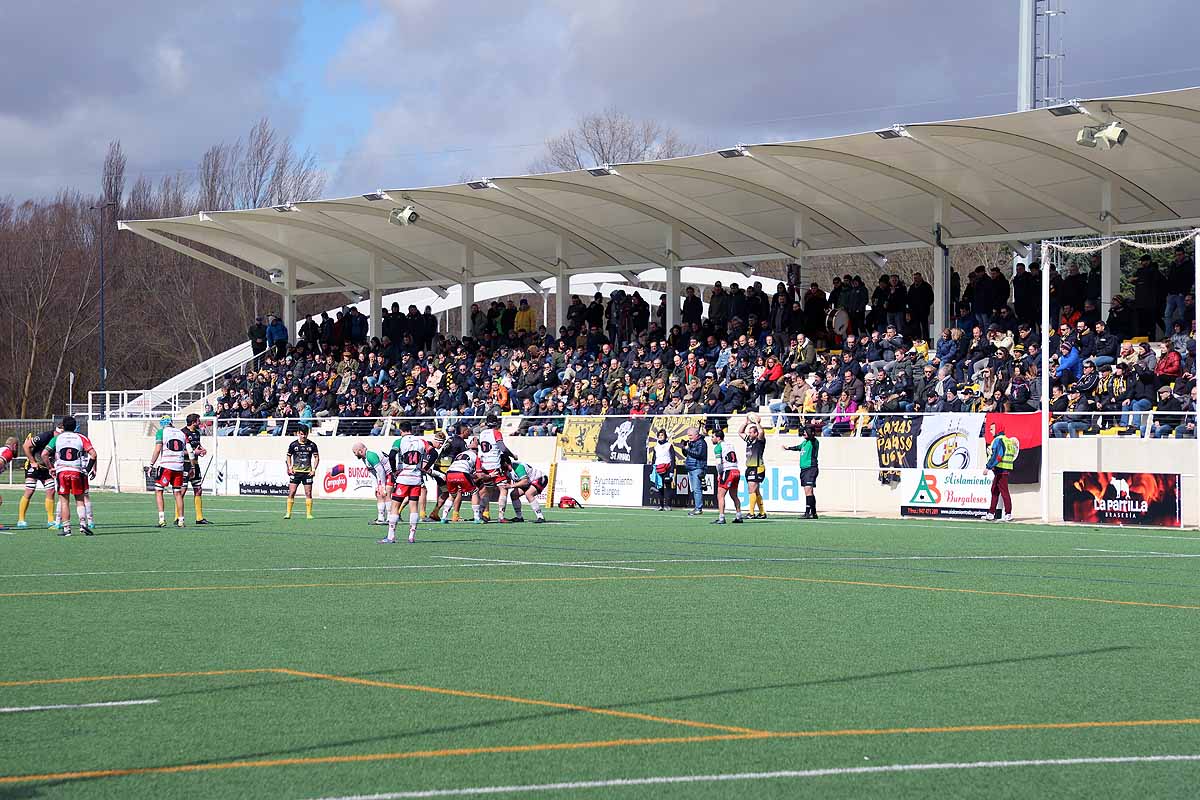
<point>349,479</point>
<point>1122,498</point>
<point>958,442</point>
<point>599,483</point>
<point>945,493</point>
<point>252,477</point>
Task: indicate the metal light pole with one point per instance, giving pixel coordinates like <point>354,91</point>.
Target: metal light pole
<point>103,365</point>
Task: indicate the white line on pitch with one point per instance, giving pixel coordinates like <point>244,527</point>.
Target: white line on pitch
<point>823,559</point>
<point>583,564</point>
<point>111,704</point>
<point>759,776</point>
<point>246,569</point>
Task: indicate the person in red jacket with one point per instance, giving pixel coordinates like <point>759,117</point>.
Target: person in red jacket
<point>1169,367</point>
<point>769,382</point>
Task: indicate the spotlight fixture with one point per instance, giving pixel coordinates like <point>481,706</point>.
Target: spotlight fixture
<point>1106,137</point>
<point>600,172</point>
<point>375,197</point>
<point>1065,110</point>
<point>404,216</point>
<point>733,152</point>
<point>888,133</point>
<point>284,208</point>
<point>481,184</point>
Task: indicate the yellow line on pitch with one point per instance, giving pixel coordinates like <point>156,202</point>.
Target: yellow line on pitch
<point>142,676</point>
<point>586,745</point>
<point>968,591</point>
<point>523,701</point>
<point>352,584</point>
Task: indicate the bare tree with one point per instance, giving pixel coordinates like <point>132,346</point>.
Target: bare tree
<point>610,137</point>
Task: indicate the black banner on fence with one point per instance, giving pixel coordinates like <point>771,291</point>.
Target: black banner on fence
<point>623,440</point>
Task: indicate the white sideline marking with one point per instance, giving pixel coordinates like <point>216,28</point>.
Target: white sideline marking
<point>253,569</point>
<point>1138,552</point>
<point>111,704</point>
<point>759,776</point>
<point>584,564</point>
<point>735,560</point>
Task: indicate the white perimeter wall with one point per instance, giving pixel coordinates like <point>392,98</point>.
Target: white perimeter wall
<point>849,472</point>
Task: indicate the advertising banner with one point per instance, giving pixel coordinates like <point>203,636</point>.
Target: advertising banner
<point>622,440</point>
<point>781,491</point>
<point>945,493</point>
<point>601,484</point>
<point>250,477</point>
<point>957,442</point>
<point>679,488</point>
<point>1122,498</point>
<point>579,438</point>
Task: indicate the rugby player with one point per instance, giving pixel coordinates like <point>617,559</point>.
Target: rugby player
<point>411,457</point>
<point>756,443</point>
<point>662,478</point>
<point>448,447</point>
<point>302,462</point>
<point>69,455</point>
<point>195,475</point>
<point>381,470</point>
<point>8,454</point>
<point>167,463</point>
<point>522,480</point>
<point>489,471</point>
<point>38,477</point>
<point>728,477</point>
<point>459,480</point>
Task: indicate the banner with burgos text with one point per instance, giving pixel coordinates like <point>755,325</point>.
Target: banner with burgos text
<point>1122,498</point>
<point>599,483</point>
<point>944,493</point>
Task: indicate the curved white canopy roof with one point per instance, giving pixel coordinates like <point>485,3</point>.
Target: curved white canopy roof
<point>1014,177</point>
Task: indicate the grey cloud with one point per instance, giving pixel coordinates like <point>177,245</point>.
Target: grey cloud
<point>492,76</point>
<point>167,78</point>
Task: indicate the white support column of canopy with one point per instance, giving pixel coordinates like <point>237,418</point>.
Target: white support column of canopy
<point>1110,257</point>
<point>289,300</point>
<point>1044,368</point>
<point>941,272</point>
<point>467,291</point>
<point>376,320</point>
<point>674,292</point>
<point>800,226</point>
<point>562,286</point>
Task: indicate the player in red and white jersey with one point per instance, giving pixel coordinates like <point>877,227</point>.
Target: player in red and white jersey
<point>167,466</point>
<point>728,477</point>
<point>460,482</point>
<point>411,458</point>
<point>8,453</point>
<point>72,458</point>
<point>489,471</point>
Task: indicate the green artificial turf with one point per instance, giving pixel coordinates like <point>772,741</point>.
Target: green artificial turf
<point>782,626</point>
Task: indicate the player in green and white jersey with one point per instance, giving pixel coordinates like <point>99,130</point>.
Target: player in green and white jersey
<point>381,468</point>
<point>521,480</point>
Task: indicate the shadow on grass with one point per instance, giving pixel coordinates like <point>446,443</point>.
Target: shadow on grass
<point>638,704</point>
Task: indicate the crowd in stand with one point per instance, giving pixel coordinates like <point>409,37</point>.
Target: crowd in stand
<point>777,351</point>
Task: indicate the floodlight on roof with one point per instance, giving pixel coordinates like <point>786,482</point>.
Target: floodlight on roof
<point>894,132</point>
<point>375,197</point>
<point>733,152</point>
<point>480,184</point>
<point>1065,110</point>
<point>600,172</point>
<point>285,208</point>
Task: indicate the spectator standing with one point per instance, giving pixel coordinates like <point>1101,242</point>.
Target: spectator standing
<point>277,336</point>
<point>695,461</point>
<point>526,321</point>
<point>1180,274</point>
<point>920,300</point>
<point>1146,287</point>
<point>693,309</point>
<point>257,334</point>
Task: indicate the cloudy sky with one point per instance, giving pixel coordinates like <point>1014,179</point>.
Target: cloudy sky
<point>392,93</point>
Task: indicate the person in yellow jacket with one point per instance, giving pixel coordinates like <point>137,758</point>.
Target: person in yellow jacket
<point>525,320</point>
<point>1001,459</point>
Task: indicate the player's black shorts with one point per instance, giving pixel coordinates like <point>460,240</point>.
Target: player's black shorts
<point>301,478</point>
<point>808,476</point>
<point>756,474</point>
<point>193,474</point>
<point>35,475</point>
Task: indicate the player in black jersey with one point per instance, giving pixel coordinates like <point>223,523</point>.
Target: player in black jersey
<point>302,462</point>
<point>756,470</point>
<point>448,447</point>
<point>195,475</point>
<point>37,476</point>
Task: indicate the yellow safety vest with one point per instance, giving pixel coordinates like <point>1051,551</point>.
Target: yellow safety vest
<point>1009,456</point>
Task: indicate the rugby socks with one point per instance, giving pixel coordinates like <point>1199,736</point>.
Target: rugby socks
<point>87,510</point>
<point>810,503</point>
<point>50,518</point>
<point>413,518</point>
<point>308,507</point>
<point>475,511</point>
<point>516,505</point>
<point>382,507</point>
<point>537,508</point>
<point>162,517</point>
<point>199,508</point>
<point>290,501</point>
<point>22,507</point>
<point>392,519</point>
